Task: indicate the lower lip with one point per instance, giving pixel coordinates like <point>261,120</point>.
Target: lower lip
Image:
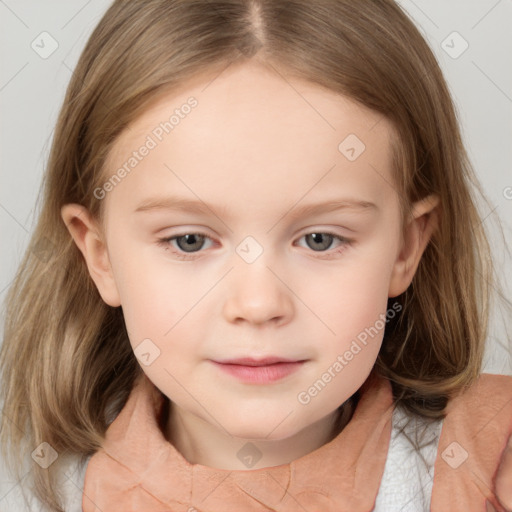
<point>260,374</point>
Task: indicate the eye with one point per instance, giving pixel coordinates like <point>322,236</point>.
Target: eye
<point>320,241</point>
<point>186,245</point>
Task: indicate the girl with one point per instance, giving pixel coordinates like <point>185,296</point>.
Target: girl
<point>268,274</point>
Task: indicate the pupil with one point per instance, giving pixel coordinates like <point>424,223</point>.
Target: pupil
<point>318,237</point>
<point>191,241</point>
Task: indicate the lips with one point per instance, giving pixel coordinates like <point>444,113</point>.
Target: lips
<point>250,361</point>
<point>259,371</point>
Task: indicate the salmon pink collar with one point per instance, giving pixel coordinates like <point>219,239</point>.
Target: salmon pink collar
<point>137,469</point>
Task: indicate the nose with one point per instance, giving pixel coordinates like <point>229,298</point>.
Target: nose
<point>257,295</point>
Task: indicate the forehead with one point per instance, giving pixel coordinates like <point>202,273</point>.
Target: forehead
<point>254,132</point>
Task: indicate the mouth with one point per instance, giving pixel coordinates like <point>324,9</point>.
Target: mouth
<point>259,371</point>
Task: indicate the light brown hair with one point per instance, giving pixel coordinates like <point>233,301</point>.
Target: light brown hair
<point>66,360</point>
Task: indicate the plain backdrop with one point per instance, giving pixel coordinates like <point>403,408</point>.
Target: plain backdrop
<point>40,43</point>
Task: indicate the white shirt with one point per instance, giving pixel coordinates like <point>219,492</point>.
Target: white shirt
<point>406,484</point>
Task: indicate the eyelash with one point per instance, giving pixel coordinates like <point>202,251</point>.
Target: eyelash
<point>165,242</point>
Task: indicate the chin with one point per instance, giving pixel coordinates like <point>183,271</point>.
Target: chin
<point>254,433</point>
<point>273,429</point>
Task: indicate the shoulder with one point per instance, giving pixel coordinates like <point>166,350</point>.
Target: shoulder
<point>489,391</point>
<point>481,415</point>
<point>473,439</point>
<point>16,494</point>
<point>477,424</point>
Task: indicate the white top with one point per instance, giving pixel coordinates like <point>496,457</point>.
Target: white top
<point>406,484</point>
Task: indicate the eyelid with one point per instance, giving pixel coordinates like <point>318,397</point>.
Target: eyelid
<point>331,253</point>
<point>166,243</point>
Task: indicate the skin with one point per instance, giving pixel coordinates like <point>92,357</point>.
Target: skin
<point>504,478</point>
<point>255,149</point>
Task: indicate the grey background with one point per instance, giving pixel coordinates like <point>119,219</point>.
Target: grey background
<point>32,89</point>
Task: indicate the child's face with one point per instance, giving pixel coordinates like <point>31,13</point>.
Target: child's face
<point>254,151</point>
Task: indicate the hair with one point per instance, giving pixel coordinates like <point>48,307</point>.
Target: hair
<point>66,360</point>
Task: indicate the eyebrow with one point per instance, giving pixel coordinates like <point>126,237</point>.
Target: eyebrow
<point>198,206</point>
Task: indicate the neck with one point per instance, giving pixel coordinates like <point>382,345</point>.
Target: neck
<point>200,442</point>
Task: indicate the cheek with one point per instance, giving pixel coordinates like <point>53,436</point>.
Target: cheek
<point>160,300</point>
<point>356,314</point>
<point>149,299</point>
<point>357,293</point>
<point>354,307</point>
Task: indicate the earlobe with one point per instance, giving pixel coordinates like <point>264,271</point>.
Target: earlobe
<point>86,234</point>
<point>423,222</point>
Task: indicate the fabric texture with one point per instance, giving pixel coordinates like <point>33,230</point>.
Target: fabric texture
<point>474,436</point>
<point>408,475</point>
<point>370,465</point>
<point>148,473</point>
<point>440,478</point>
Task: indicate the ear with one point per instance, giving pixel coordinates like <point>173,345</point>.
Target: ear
<point>425,219</point>
<point>86,234</point>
